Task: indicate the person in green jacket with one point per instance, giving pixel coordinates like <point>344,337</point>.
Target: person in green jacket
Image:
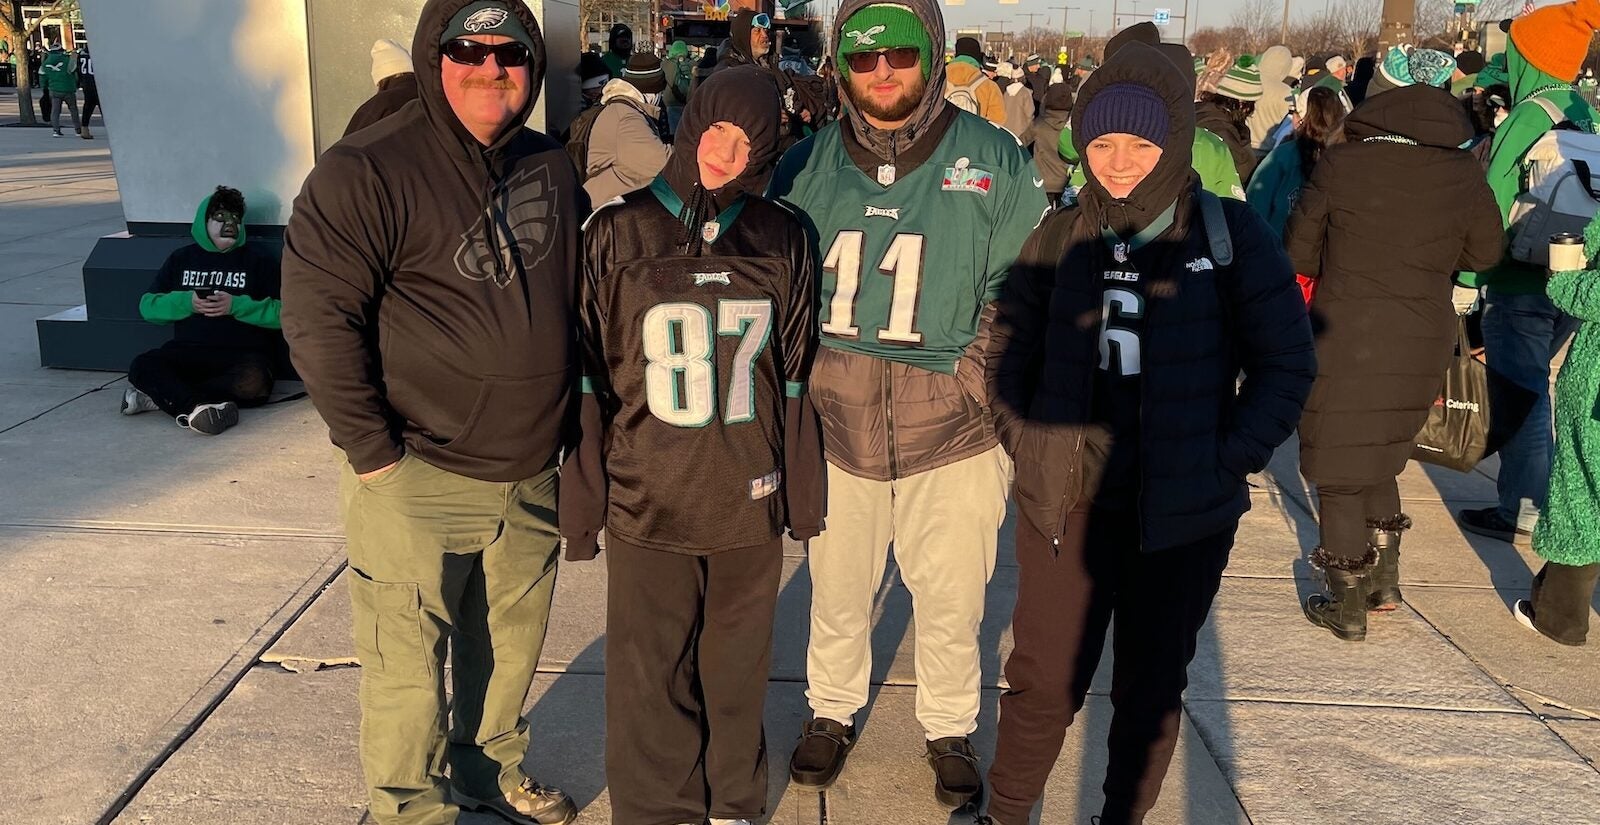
<point>60,78</point>
<point>1566,537</point>
<point>1522,329</point>
<point>1275,187</point>
<point>222,299</point>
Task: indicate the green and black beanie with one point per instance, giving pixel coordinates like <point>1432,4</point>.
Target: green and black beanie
<point>884,26</point>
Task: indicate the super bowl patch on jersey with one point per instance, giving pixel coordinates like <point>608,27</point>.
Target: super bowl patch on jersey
<point>960,178</point>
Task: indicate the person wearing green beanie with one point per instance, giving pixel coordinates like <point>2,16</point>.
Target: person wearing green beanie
<point>679,72</point>
<point>918,210</point>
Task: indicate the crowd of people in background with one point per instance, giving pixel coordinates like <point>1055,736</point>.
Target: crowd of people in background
<point>864,303</point>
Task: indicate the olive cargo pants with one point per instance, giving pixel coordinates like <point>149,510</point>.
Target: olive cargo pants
<point>436,560</point>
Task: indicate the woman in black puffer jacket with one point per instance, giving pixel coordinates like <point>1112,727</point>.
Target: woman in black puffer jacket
<point>1384,223</point>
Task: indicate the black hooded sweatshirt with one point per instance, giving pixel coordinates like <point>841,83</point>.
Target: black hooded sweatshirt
<point>1194,434</point>
<point>428,283</point>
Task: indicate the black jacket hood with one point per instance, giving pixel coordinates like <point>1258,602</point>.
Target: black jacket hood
<point>1143,65</point>
<point>744,96</point>
<point>426,59</point>
<point>887,145</point>
<point>1425,114</point>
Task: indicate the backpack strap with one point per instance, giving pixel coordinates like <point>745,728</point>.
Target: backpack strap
<point>1557,117</point>
<point>1216,222</point>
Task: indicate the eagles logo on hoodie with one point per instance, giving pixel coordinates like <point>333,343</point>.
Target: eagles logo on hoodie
<point>530,221</point>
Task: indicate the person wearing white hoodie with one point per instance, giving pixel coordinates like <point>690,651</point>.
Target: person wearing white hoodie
<point>626,151</point>
<point>1019,99</point>
<point>1277,64</point>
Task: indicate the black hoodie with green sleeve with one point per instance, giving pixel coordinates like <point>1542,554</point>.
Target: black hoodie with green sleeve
<point>429,282</point>
<point>242,271</point>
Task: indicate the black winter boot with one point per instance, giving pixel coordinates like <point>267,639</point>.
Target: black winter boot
<point>1385,538</point>
<point>1343,609</point>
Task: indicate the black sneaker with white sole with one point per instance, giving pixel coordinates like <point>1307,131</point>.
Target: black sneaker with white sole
<point>1489,522</point>
<point>210,419</point>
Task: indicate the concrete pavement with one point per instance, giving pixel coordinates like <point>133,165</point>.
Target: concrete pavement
<point>177,641</point>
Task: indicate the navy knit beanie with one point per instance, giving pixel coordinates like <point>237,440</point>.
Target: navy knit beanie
<point>1127,108</point>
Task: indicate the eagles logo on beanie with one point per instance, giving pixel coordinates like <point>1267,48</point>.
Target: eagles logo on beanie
<point>884,26</point>
<point>486,17</point>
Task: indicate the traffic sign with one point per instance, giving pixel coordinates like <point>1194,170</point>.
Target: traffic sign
<point>1162,17</point>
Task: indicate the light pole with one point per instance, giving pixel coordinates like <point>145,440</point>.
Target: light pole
<point>1283,36</point>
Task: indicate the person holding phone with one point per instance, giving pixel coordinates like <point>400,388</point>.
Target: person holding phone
<point>221,298</point>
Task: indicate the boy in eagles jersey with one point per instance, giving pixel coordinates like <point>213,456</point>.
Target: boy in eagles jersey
<point>697,321</point>
<point>918,210</point>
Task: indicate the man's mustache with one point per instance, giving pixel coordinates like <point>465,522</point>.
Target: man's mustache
<point>503,84</point>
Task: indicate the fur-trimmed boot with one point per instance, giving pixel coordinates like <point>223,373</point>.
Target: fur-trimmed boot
<point>1343,609</point>
<point>1385,539</point>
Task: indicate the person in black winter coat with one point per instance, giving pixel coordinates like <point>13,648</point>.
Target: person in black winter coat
<point>1112,373</point>
<point>1384,266</point>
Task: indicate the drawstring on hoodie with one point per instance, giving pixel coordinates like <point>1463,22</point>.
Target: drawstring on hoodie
<point>693,216</point>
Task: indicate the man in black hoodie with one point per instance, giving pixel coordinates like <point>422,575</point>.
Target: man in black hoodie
<point>428,297</point>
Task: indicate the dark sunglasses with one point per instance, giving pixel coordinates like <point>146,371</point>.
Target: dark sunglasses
<point>472,53</point>
<point>902,58</point>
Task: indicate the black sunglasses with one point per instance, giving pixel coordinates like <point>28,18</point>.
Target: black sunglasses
<point>472,53</point>
<point>902,58</point>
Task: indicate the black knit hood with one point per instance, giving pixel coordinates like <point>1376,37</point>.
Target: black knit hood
<point>1144,65</point>
<point>426,60</point>
<point>888,145</point>
<point>746,97</point>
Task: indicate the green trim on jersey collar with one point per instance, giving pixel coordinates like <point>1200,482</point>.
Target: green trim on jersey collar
<point>674,204</point>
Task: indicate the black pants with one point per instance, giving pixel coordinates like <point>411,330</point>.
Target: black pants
<point>180,377</point>
<point>1343,512</point>
<point>1561,595</point>
<point>688,654</point>
<point>44,103</point>
<point>1064,602</point>
<point>91,101</point>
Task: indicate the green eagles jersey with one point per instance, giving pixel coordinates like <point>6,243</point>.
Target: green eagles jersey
<point>907,268</point>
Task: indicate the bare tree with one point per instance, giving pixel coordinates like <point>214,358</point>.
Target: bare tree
<point>635,13</point>
<point>11,23</point>
<point>1257,21</point>
<point>1357,22</point>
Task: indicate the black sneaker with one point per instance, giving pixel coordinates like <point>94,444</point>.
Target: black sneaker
<point>956,783</point>
<point>1489,522</point>
<point>210,419</point>
<point>818,759</point>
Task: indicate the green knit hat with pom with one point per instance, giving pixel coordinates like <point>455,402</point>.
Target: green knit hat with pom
<point>1243,80</point>
<point>884,26</point>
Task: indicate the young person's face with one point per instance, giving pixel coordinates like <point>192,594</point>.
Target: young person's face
<point>488,96</point>
<point>1121,161</point>
<point>723,154</point>
<point>223,227</point>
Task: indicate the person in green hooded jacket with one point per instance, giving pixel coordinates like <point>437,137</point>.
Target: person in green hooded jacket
<point>222,300</point>
<point>60,79</point>
<point>1522,329</point>
<point>1565,537</point>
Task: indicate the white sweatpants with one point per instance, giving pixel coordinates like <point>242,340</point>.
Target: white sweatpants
<point>945,526</point>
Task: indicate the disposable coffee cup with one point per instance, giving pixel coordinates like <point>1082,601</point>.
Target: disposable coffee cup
<point>1566,252</point>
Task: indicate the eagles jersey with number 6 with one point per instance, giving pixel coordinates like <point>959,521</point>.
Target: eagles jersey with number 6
<point>695,362</point>
<point>908,267</point>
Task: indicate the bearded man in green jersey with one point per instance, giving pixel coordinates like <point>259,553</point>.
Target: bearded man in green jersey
<point>918,209</point>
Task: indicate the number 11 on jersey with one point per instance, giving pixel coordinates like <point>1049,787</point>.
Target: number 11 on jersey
<point>902,261</point>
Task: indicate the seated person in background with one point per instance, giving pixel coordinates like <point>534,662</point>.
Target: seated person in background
<point>223,302</point>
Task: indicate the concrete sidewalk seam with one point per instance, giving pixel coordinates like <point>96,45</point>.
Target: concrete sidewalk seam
<point>159,528</point>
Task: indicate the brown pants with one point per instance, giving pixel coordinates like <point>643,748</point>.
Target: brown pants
<point>1066,597</point>
<point>688,653</point>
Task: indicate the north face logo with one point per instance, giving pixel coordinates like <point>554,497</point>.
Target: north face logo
<point>522,205</point>
<point>1199,265</point>
<point>485,19</point>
